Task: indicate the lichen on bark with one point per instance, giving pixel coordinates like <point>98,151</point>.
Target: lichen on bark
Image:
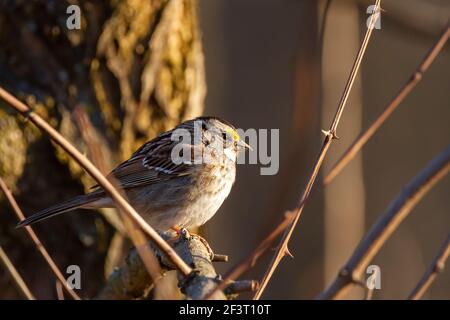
<point>134,69</point>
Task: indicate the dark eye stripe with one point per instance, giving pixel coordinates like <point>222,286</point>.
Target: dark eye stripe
<point>204,127</point>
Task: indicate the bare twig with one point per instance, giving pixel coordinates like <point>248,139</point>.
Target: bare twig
<point>416,16</point>
<point>434,269</point>
<point>388,223</point>
<point>15,275</point>
<point>369,287</point>
<point>136,235</point>
<point>220,258</point>
<point>250,261</point>
<point>330,135</point>
<point>40,247</point>
<point>241,286</point>
<point>140,242</point>
<point>98,154</point>
<point>415,78</point>
<point>121,203</point>
<point>89,136</point>
<point>369,294</point>
<point>59,290</point>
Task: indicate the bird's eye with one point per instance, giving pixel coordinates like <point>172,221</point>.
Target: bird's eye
<point>204,127</point>
<point>224,136</point>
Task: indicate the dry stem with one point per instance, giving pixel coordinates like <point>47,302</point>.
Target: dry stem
<point>136,235</point>
<point>436,267</point>
<point>365,136</point>
<point>16,275</point>
<point>121,203</point>
<point>330,135</point>
<point>388,223</point>
<point>40,247</point>
<point>250,261</point>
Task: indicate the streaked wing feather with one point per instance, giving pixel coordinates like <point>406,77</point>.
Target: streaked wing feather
<point>148,165</point>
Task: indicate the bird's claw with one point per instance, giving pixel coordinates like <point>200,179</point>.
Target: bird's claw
<point>183,232</point>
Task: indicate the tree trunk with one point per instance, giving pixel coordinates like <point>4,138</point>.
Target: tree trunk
<point>133,69</point>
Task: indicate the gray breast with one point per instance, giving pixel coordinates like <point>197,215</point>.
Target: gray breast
<point>185,201</point>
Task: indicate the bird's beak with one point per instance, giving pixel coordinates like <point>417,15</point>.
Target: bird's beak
<point>243,145</point>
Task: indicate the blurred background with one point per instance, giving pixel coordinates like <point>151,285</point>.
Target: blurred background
<point>265,64</point>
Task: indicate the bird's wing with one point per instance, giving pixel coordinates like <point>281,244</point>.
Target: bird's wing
<point>152,163</point>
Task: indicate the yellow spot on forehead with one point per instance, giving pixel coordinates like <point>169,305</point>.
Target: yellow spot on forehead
<point>233,133</point>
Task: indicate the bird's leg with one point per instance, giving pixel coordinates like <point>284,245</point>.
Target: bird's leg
<point>177,229</point>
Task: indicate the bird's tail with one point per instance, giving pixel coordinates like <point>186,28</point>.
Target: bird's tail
<point>66,206</point>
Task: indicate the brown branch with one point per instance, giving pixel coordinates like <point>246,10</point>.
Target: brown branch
<point>120,202</point>
<point>388,223</point>
<point>220,258</point>
<point>330,135</point>
<point>136,235</point>
<point>365,136</point>
<point>16,275</point>
<point>39,246</point>
<point>97,153</point>
<point>433,270</point>
<point>89,135</point>
<point>417,16</point>
<point>369,294</point>
<point>59,290</point>
<point>250,261</point>
<point>237,287</point>
<point>130,281</point>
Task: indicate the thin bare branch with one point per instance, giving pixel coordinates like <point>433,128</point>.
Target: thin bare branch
<point>369,294</point>
<point>89,136</point>
<point>433,270</point>
<point>388,223</point>
<point>39,246</point>
<point>220,258</point>
<point>250,261</point>
<point>365,136</point>
<point>241,286</point>
<point>59,290</point>
<point>330,135</point>
<point>120,202</point>
<point>136,235</point>
<point>16,275</point>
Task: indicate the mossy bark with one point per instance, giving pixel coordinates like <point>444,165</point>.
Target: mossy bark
<point>134,69</point>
